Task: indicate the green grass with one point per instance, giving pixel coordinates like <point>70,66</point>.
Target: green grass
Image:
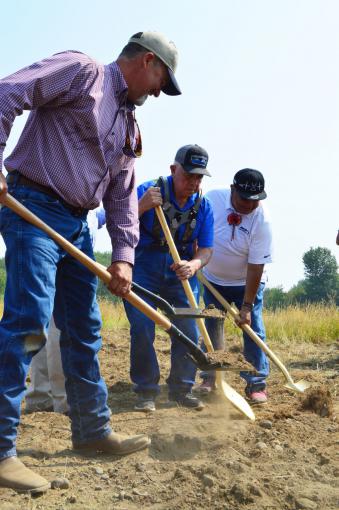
<point>312,323</point>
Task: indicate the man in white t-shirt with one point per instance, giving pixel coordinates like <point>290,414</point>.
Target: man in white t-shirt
<point>242,247</point>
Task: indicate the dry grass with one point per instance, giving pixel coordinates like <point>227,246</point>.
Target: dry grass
<point>312,323</point>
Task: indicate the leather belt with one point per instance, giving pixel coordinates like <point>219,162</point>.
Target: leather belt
<point>22,180</point>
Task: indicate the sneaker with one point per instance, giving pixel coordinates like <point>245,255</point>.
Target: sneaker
<point>186,400</point>
<point>206,387</point>
<point>145,403</point>
<point>257,397</point>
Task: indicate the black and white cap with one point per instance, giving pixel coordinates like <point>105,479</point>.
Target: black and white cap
<point>250,184</point>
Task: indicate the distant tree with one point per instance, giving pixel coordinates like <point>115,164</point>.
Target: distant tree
<point>274,298</point>
<point>296,294</point>
<point>321,275</point>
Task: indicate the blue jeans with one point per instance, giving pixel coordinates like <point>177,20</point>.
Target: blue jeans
<point>152,271</point>
<point>252,353</point>
<point>42,277</point>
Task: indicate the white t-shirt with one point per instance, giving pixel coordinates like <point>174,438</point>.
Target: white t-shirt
<point>252,241</point>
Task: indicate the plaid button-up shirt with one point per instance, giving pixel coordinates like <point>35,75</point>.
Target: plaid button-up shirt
<point>74,136</point>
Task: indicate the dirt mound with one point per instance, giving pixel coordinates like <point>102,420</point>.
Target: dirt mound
<point>318,400</point>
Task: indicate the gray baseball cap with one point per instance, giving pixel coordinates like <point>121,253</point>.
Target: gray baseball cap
<point>166,51</point>
<point>193,159</point>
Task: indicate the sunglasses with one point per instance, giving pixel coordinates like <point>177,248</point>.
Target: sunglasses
<point>128,149</point>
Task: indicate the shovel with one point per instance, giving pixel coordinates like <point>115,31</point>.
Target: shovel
<point>171,311</point>
<point>232,396</point>
<point>299,386</point>
<point>197,355</point>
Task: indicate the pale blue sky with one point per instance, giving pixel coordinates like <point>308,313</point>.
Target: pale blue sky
<point>260,81</point>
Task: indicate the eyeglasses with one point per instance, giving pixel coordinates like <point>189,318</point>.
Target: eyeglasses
<point>127,149</point>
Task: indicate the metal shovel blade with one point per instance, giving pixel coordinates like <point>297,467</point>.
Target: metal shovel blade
<point>299,386</point>
<point>194,313</point>
<point>235,399</point>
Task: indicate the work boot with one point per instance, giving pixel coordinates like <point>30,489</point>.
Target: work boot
<point>186,400</point>
<point>116,444</point>
<point>15,475</point>
<point>145,403</point>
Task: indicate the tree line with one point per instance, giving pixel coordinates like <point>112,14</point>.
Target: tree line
<point>320,285</point>
<point>321,282</point>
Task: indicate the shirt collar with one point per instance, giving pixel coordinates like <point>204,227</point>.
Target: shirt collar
<point>120,85</point>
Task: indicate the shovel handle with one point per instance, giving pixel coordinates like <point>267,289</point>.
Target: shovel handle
<point>187,288</point>
<point>234,312</point>
<point>94,267</point>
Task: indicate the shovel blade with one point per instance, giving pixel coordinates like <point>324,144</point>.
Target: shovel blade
<point>194,313</point>
<point>235,399</point>
<point>299,386</point>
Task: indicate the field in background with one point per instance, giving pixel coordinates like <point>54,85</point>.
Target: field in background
<point>311,323</point>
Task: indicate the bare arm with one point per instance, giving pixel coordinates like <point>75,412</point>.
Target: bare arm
<point>254,274</point>
<point>187,268</point>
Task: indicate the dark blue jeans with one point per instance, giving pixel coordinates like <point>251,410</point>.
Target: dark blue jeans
<point>252,353</point>
<point>152,271</point>
<point>42,278</point>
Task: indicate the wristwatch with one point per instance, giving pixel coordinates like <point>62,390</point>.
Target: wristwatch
<point>249,306</point>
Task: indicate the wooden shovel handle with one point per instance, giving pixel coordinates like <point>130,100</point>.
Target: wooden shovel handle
<point>187,288</point>
<point>94,267</point>
<point>234,312</point>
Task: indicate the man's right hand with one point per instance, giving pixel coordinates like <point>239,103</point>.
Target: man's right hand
<point>3,185</point>
<point>150,199</point>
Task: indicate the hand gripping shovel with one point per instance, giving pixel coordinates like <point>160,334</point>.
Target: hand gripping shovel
<point>197,355</point>
<point>232,396</point>
<point>299,386</point>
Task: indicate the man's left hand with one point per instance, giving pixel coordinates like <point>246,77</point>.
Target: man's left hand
<point>244,317</point>
<point>185,269</point>
<point>120,285</point>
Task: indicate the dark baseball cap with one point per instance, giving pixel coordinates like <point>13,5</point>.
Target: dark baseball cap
<point>250,184</point>
<point>193,159</point>
<point>166,51</point>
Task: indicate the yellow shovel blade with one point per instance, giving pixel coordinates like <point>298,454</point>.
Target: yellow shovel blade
<point>299,386</point>
<point>234,398</point>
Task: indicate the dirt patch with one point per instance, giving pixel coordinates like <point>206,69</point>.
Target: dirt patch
<point>215,459</point>
<point>318,400</point>
<point>212,311</point>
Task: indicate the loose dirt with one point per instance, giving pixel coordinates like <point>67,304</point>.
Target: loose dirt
<point>214,459</point>
<point>233,360</point>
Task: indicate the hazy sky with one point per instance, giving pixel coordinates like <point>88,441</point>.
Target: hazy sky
<point>260,82</point>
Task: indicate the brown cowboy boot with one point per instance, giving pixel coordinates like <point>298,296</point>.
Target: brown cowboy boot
<point>15,475</point>
<point>116,444</point>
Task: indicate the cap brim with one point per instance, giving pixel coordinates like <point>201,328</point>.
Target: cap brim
<point>258,196</point>
<point>197,170</point>
<point>172,88</point>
